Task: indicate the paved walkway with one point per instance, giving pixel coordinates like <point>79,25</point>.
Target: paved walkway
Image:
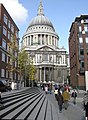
<point>74,112</point>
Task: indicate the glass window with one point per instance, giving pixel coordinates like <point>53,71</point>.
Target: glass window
<point>3,57</point>
<point>6,74</point>
<point>2,73</point>
<point>86,20</point>
<point>4,43</point>
<point>86,28</point>
<point>82,64</point>
<point>5,19</point>
<point>17,34</point>
<point>12,28</point>
<point>80,40</point>
<point>4,30</point>
<point>80,29</point>
<point>7,59</point>
<point>81,51</point>
<point>86,39</point>
<point>9,37</point>
<point>9,23</point>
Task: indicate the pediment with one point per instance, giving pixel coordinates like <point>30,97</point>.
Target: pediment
<point>45,48</point>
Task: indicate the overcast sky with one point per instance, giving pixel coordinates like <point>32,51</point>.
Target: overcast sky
<point>60,12</point>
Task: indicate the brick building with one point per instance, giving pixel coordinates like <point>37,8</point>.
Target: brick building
<point>8,32</point>
<point>78,49</point>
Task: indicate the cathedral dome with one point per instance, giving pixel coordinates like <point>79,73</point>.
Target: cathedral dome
<point>40,20</point>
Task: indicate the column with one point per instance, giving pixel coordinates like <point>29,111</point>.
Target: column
<point>48,40</point>
<point>49,74</point>
<point>40,73</point>
<point>36,58</point>
<point>44,73</point>
<point>30,39</point>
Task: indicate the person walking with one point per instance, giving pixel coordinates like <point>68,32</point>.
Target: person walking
<point>60,101</point>
<point>66,97</point>
<point>56,92</point>
<point>74,95</point>
<point>46,89</point>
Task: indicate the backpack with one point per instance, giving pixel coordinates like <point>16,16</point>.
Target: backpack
<point>74,94</point>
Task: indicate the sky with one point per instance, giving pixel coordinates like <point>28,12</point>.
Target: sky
<point>60,12</point>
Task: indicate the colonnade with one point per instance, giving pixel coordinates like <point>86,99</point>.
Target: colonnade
<point>46,74</point>
<point>41,39</point>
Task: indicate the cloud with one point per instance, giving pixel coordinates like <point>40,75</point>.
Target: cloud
<point>16,10</point>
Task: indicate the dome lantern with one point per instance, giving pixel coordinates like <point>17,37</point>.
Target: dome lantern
<point>40,9</point>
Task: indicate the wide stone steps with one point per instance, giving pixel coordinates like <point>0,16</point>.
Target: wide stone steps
<point>29,104</point>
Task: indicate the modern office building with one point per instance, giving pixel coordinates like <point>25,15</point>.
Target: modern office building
<point>78,50</point>
<point>8,32</point>
<point>41,42</point>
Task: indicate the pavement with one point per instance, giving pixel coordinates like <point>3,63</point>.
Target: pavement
<point>74,111</point>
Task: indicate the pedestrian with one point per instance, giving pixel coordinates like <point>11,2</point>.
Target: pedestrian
<point>74,95</point>
<point>85,101</point>
<point>60,101</point>
<point>66,98</point>
<point>46,89</point>
<point>56,92</point>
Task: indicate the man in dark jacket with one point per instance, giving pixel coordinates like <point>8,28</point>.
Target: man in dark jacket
<point>60,101</point>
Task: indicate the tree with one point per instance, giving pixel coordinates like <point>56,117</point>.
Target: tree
<point>22,62</point>
<point>32,71</point>
<point>13,49</point>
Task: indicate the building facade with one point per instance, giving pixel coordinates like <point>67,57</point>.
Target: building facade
<point>8,32</point>
<point>40,41</point>
<point>78,50</point>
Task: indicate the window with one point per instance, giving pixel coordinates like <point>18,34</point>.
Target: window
<point>9,23</point>
<point>7,59</point>
<point>4,43</point>
<point>86,20</point>
<point>3,57</point>
<point>9,37</point>
<point>86,28</point>
<point>6,74</point>
<point>2,73</point>
<point>12,28</point>
<point>82,64</point>
<point>4,30</point>
<point>80,40</point>
<point>80,29</point>
<point>12,38</point>
<point>81,51</point>
<point>17,34</point>
<point>5,19</point>
<point>11,75</point>
<point>86,39</point>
